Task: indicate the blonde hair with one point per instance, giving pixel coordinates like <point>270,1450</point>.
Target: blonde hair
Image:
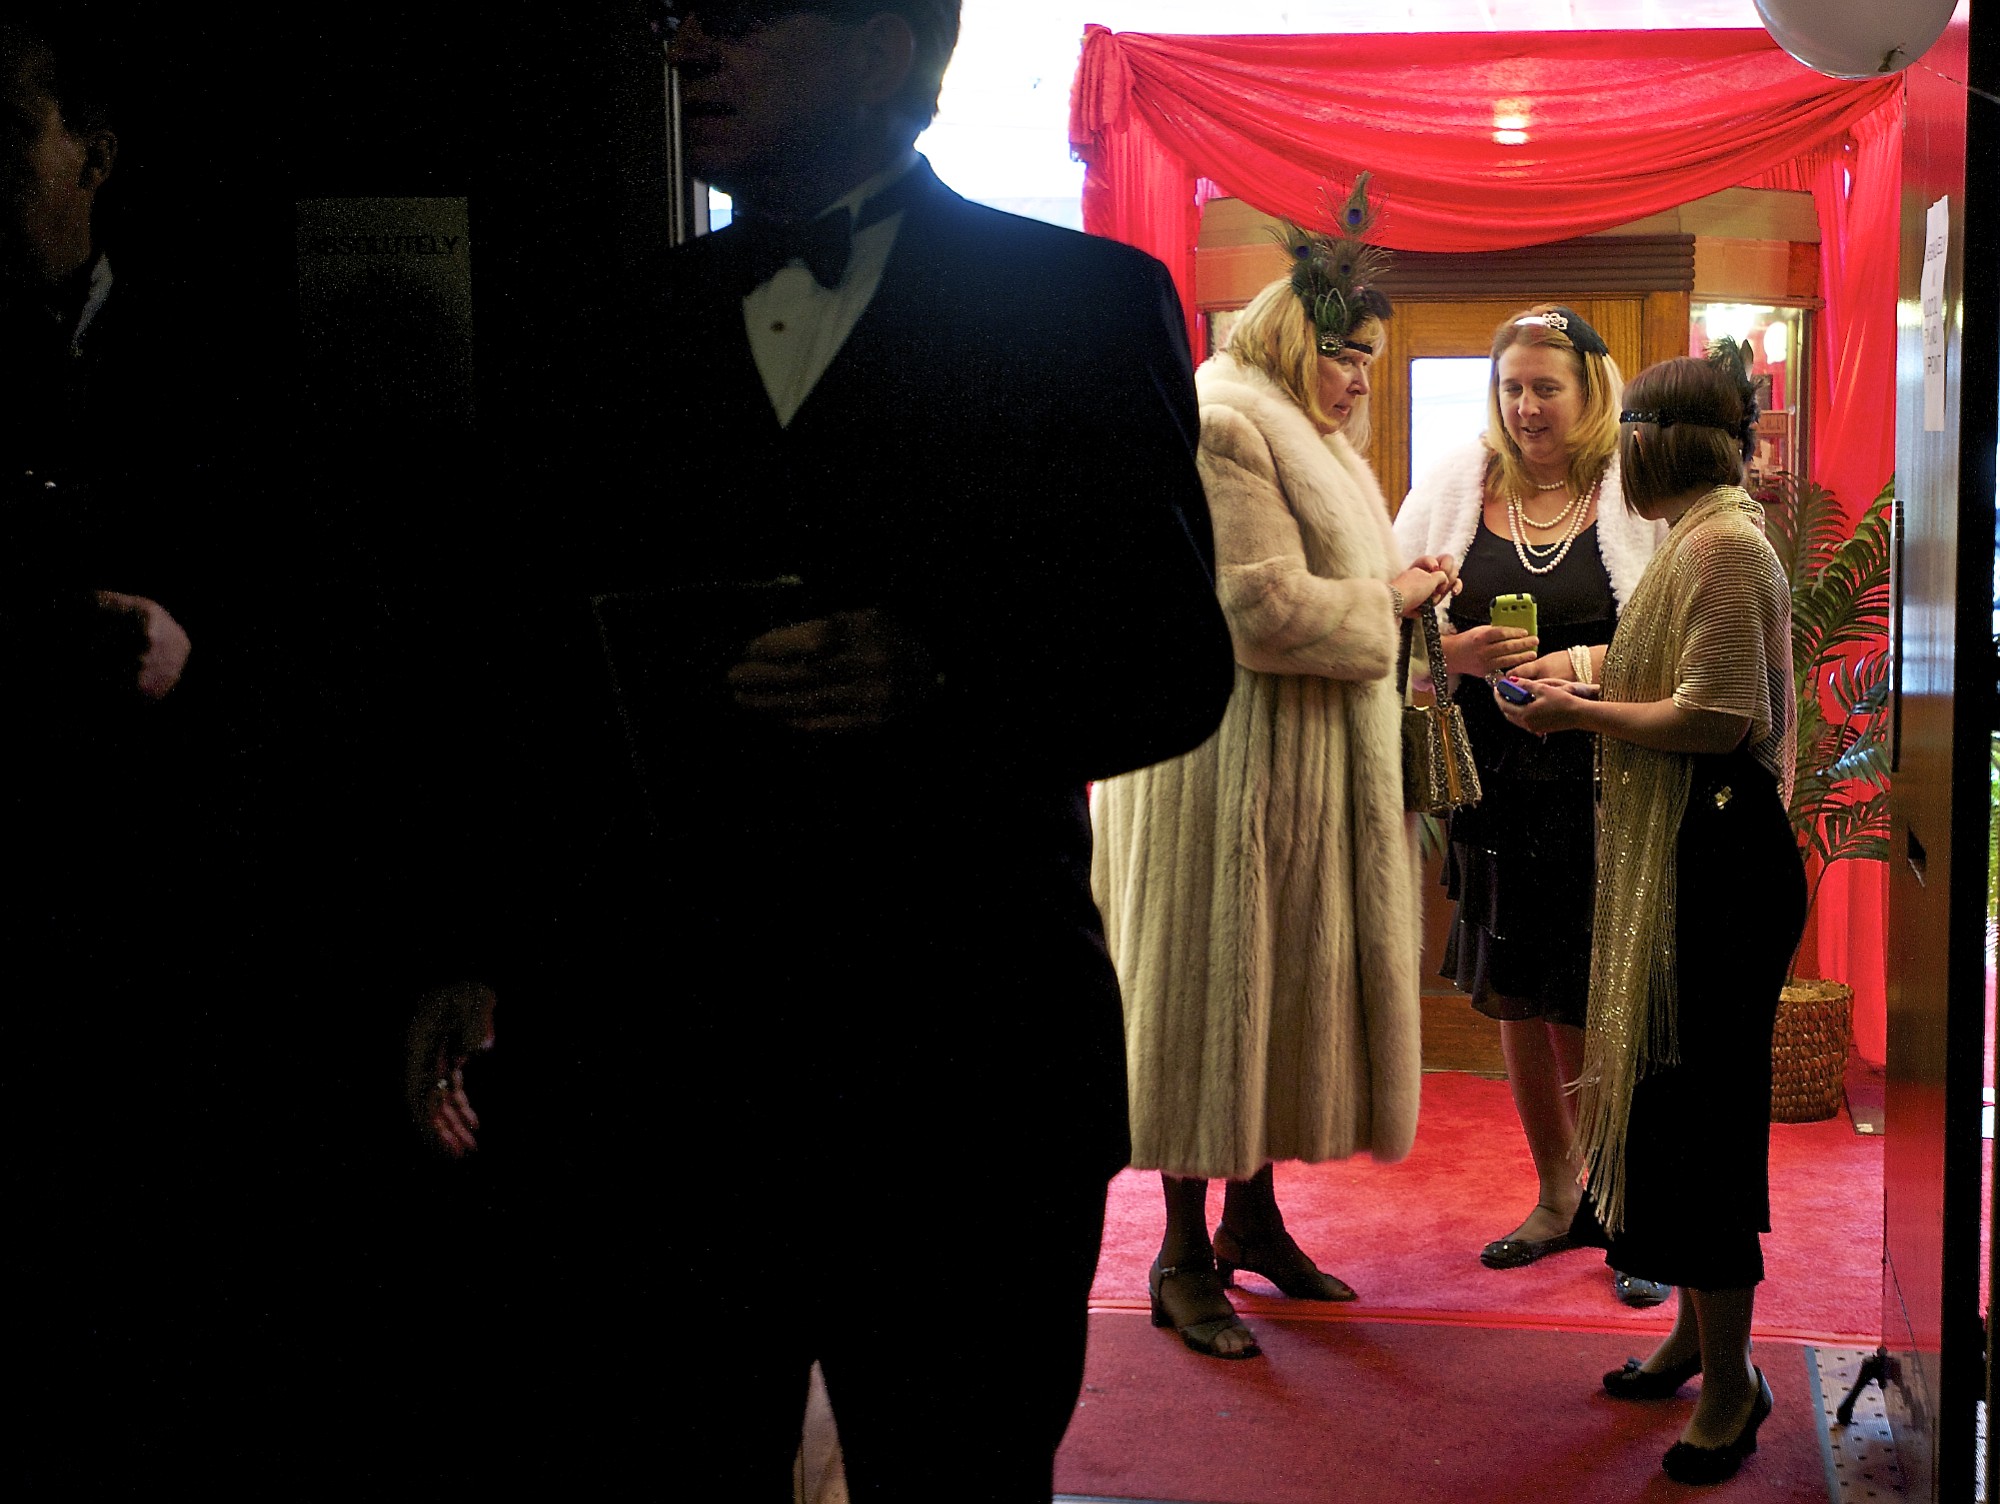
<point>1593,440</point>
<point>1276,336</point>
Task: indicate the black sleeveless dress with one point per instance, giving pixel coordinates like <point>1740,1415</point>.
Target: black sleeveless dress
<point>1522,863</point>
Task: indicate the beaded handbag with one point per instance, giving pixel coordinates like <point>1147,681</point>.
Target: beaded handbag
<point>1438,772</point>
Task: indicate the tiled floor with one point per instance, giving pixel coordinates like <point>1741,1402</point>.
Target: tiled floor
<point>1861,1458</point>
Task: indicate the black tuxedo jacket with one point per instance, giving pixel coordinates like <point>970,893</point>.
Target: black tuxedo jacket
<point>1002,456</point>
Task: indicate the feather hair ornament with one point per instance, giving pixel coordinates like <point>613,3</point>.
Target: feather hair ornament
<point>1334,273</point>
<point>1734,361</point>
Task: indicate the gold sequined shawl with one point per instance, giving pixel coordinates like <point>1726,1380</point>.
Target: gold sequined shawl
<point>1709,626</point>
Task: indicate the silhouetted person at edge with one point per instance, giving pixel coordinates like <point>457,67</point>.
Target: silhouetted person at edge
<point>923,483</point>
<point>105,1056</point>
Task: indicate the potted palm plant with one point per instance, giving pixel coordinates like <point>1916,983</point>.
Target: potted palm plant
<point>1840,792</point>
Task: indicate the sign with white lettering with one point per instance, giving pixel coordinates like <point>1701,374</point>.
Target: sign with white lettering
<point>1937,240</point>
<point>385,310</point>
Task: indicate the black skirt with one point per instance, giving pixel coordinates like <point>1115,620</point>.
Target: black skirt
<point>1522,870</point>
<point>1521,865</point>
<point>1697,1158</point>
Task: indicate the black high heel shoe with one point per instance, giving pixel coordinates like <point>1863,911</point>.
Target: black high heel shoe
<point>1632,1382</point>
<point>1282,1262</point>
<point>1687,1463</point>
<point>1199,1335</point>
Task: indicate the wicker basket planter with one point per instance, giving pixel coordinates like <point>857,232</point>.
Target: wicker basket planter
<point>1809,1051</point>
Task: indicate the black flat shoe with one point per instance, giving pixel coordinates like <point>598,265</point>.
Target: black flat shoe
<point>1518,1253</point>
<point>1199,1335</point>
<point>1638,1293</point>
<point>1632,1382</point>
<point>1688,1463</point>
<point>1282,1262</point>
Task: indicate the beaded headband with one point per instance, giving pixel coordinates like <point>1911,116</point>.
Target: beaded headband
<point>1334,275</point>
<point>1666,418</point>
<point>1568,322</point>
<point>1730,359</point>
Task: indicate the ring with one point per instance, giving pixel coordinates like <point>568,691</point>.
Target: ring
<point>443,1084</point>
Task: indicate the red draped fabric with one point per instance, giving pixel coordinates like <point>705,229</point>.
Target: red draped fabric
<point>1856,182</point>
<point>1478,141</point>
<point>1486,141</point>
<point>1156,206</point>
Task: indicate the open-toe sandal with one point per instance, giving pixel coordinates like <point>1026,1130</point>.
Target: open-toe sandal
<point>1282,1262</point>
<point>1197,1279</point>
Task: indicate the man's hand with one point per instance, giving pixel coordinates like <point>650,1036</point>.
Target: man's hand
<point>167,646</point>
<point>449,1025</point>
<point>852,671</point>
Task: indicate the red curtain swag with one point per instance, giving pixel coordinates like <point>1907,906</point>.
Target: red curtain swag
<point>1488,141</point>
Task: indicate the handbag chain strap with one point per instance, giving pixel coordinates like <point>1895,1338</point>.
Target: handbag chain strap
<point>1447,709</point>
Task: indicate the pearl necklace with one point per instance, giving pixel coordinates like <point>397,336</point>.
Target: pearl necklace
<point>1523,548</point>
<point>1561,519</point>
<point>1554,485</point>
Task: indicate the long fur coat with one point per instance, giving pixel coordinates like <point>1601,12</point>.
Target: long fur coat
<point>1260,893</point>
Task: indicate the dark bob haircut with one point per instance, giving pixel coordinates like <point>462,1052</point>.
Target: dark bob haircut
<point>1686,424</point>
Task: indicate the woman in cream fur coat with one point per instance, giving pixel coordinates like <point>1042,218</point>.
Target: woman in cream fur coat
<point>1260,893</point>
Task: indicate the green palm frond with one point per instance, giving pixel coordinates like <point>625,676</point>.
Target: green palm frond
<point>1860,686</point>
<point>1430,836</point>
<point>1805,525</point>
<point>1839,577</point>
<point>1854,831</point>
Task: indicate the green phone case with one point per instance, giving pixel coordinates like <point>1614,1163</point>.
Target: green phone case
<point>1515,611</point>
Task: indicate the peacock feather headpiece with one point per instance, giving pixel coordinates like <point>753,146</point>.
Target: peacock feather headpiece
<point>1335,274</point>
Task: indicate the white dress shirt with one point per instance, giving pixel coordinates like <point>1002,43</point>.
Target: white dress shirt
<point>796,327</point>
<point>100,290</point>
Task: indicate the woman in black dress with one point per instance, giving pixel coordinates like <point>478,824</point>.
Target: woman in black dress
<point>1700,900</point>
<point>1533,506</point>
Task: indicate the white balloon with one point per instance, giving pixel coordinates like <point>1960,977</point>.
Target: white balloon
<point>1856,38</point>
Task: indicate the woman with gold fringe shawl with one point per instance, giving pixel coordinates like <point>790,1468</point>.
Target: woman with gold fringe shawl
<point>1700,898</point>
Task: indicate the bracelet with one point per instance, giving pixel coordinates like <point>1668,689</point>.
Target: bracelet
<point>1579,660</point>
<point>1395,603</point>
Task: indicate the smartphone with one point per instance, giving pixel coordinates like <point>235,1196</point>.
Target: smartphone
<point>1511,691</point>
<point>1515,611</point>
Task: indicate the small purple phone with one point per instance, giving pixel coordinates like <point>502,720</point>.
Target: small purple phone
<point>1513,692</point>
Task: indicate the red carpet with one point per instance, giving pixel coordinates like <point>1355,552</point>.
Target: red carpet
<point>1401,1411</point>
<point>1407,1236</point>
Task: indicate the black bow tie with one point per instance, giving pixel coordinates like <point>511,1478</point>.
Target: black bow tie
<point>823,244</point>
<point>764,247</point>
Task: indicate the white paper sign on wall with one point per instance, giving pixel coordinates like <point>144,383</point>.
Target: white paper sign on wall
<point>1937,238</point>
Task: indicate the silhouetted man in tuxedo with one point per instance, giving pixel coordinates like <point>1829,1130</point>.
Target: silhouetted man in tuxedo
<point>974,439</point>
<point>105,1068</point>
<point>906,546</point>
